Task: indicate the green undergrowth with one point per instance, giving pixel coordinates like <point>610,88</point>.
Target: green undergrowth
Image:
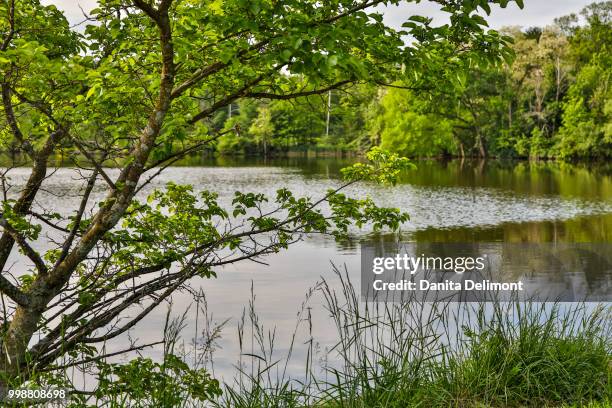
<point>417,354</point>
<point>388,354</point>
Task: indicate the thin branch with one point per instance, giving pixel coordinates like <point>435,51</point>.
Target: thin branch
<point>168,161</point>
<point>139,317</point>
<point>13,292</point>
<point>25,247</point>
<point>12,121</point>
<point>42,218</point>
<point>9,36</point>
<point>77,219</point>
<point>148,9</point>
<point>202,73</point>
<point>101,357</point>
<point>97,165</point>
<point>191,149</point>
<point>266,95</point>
<point>233,96</point>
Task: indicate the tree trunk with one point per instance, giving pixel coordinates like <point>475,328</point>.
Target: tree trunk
<point>509,115</point>
<point>482,150</point>
<point>15,342</point>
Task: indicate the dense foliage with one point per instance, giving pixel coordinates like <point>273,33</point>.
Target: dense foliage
<point>553,100</point>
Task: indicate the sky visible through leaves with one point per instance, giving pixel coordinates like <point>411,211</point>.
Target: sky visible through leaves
<point>535,13</point>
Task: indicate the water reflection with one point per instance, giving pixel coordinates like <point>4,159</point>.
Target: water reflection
<point>542,272</point>
<point>589,228</point>
<point>593,181</point>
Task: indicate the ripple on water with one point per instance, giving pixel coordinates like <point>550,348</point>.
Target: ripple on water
<point>428,206</point>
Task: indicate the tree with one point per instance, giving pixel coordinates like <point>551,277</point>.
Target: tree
<point>591,38</point>
<point>586,109</point>
<point>262,128</point>
<point>298,123</point>
<point>403,128</point>
<point>134,92</point>
<point>467,106</point>
<point>586,114</point>
<point>235,138</point>
<point>550,99</point>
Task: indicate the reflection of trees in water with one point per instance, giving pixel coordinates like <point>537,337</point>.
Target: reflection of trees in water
<point>593,261</point>
<point>556,271</point>
<point>592,228</point>
<point>582,268</point>
<point>531,178</point>
<point>521,177</point>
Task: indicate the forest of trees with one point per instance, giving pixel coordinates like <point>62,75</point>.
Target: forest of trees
<point>554,100</point>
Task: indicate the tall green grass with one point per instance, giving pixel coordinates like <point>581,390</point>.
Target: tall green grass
<point>424,354</point>
<point>388,354</point>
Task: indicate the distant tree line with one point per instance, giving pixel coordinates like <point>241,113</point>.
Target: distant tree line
<point>554,100</point>
<point>336,121</point>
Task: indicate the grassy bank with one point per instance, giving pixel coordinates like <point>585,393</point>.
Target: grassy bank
<point>388,354</point>
<point>415,354</point>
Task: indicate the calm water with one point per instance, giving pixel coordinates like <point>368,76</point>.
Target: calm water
<point>450,201</point>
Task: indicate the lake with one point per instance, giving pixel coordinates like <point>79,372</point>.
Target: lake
<point>450,201</point>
